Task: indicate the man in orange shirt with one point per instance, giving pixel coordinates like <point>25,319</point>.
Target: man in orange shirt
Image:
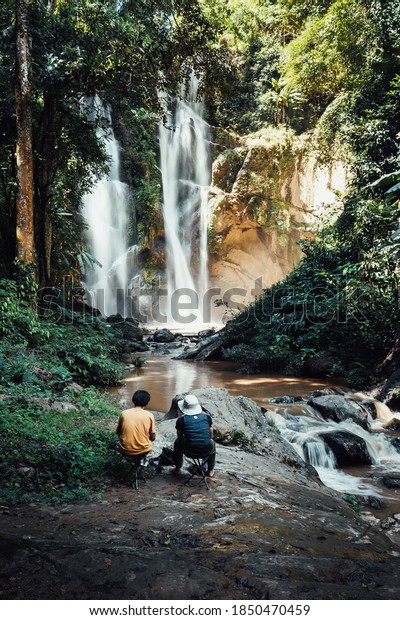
<point>136,427</point>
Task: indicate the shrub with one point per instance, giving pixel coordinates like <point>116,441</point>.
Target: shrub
<point>54,455</point>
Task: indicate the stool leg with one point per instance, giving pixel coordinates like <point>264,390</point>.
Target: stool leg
<point>128,473</point>
<point>138,474</point>
<point>199,468</point>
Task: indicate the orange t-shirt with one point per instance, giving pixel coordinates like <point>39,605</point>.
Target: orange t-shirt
<point>134,429</point>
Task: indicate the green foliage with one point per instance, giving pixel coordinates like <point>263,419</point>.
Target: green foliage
<point>18,321</point>
<point>138,361</point>
<point>343,59</point>
<point>250,358</point>
<point>53,456</point>
<point>53,438</point>
<point>123,52</point>
<point>340,299</point>
<point>273,425</point>
<point>353,501</point>
<point>283,98</point>
<point>328,57</point>
<point>239,438</point>
<point>86,350</point>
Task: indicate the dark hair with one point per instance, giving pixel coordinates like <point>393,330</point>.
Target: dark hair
<point>140,398</point>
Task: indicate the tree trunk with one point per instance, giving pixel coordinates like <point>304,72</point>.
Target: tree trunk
<point>24,151</point>
<point>44,175</point>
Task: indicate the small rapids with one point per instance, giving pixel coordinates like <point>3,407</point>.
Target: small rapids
<point>305,433</point>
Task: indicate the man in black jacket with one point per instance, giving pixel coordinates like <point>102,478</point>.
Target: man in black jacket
<point>194,431</point>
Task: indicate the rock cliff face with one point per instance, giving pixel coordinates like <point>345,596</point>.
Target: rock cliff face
<point>266,196</point>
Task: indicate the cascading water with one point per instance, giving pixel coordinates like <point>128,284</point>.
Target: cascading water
<point>105,212</point>
<point>305,432</point>
<point>186,171</point>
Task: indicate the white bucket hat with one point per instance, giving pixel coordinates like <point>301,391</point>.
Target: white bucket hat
<point>189,405</point>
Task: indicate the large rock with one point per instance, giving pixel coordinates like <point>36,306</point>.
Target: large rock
<point>163,335</point>
<point>393,425</point>
<point>205,333</point>
<point>395,441</point>
<point>265,195</point>
<point>349,449</point>
<point>241,417</point>
<point>208,349</point>
<point>391,390</point>
<point>285,400</point>
<point>391,480</point>
<point>115,319</point>
<point>128,330</point>
<point>325,392</point>
<point>338,408</point>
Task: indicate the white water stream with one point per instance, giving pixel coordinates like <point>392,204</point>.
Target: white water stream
<point>105,210</point>
<point>186,171</point>
<point>304,433</point>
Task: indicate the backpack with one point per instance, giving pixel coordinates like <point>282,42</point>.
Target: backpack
<point>163,460</point>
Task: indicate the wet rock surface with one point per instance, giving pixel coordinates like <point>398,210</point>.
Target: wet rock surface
<point>391,480</point>
<point>163,335</point>
<point>339,408</point>
<point>208,348</point>
<point>393,425</point>
<point>267,529</point>
<point>347,448</point>
<point>253,535</point>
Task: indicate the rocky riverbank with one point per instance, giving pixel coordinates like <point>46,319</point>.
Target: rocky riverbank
<point>267,529</point>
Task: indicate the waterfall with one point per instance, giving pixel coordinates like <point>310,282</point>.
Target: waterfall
<point>304,432</point>
<point>185,170</point>
<point>105,212</point>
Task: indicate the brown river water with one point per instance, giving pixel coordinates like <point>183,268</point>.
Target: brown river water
<point>164,377</point>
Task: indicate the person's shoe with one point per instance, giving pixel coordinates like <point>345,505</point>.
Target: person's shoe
<point>210,473</point>
<point>176,471</point>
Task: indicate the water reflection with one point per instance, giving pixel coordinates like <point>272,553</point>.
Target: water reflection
<point>164,377</point>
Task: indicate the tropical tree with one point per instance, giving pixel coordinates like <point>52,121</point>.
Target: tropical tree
<point>124,52</point>
<point>24,152</point>
<point>283,98</point>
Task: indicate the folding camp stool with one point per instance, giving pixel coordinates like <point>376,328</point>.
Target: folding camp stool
<point>199,467</point>
<point>137,463</point>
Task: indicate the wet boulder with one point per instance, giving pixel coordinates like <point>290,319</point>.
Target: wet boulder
<point>237,419</point>
<point>208,349</point>
<point>285,400</point>
<point>128,330</point>
<point>163,335</point>
<point>211,351</point>
<point>115,319</point>
<point>391,480</point>
<point>84,308</point>
<point>393,425</point>
<point>338,408</point>
<point>395,441</point>
<point>325,392</point>
<point>349,449</point>
<point>369,407</point>
<point>205,333</point>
